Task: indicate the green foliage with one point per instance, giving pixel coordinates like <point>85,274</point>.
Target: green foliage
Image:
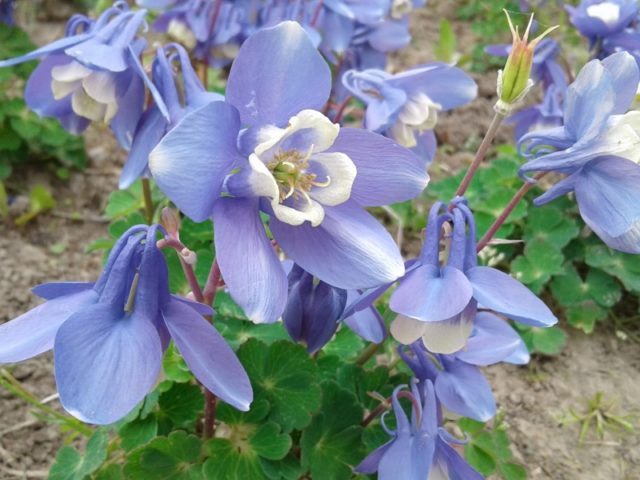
<point>70,465</point>
<point>25,137</point>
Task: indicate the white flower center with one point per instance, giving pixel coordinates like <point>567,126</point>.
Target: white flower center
<point>93,92</point>
<point>291,167</point>
<point>181,32</point>
<point>419,114</point>
<point>608,12</point>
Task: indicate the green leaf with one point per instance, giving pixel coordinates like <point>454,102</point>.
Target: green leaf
<point>623,266</point>
<point>346,344</point>
<point>26,125</point>
<point>41,201</point>
<point>284,375</point>
<point>569,289</point>
<point>585,315</point>
<point>445,48</point>
<point>551,225</point>
<point>603,288</point>
<point>480,459</point>
<point>70,465</point>
<point>288,468</point>
<point>512,471</point>
<point>540,261</point>
<point>228,462</point>
<point>174,366</point>
<point>176,457</point>
<point>110,472</point>
<point>331,446</point>
<point>122,203</point>
<point>548,341</point>
<point>182,404</point>
<point>138,432</point>
<point>4,202</point>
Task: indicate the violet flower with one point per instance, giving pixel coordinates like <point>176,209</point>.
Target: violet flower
<point>459,384</point>
<point>545,115</point>
<point>420,449</point>
<point>7,8</point>
<point>438,302</point>
<point>596,19</point>
<point>405,106</point>
<point>92,74</point>
<point>310,176</point>
<point>108,337</point>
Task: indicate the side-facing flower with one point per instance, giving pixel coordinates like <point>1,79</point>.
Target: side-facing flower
<point>92,74</point>
<point>543,116</point>
<point>310,176</point>
<point>438,301</point>
<point>420,449</point>
<point>460,386</point>
<point>153,124</point>
<point>315,310</point>
<point>405,106</point>
<point>108,338</point>
<point>598,149</point>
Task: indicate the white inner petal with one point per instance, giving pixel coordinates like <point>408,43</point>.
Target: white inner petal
<point>420,112</point>
<point>181,32</point>
<point>70,72</point>
<point>62,89</point>
<point>622,137</point>
<point>85,106</point>
<point>404,134</point>
<point>608,12</point>
<point>101,86</point>
<point>407,330</point>
<point>341,173</point>
<point>448,336</point>
<point>306,211</point>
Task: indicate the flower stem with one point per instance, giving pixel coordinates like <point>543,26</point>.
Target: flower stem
<point>481,153</point>
<point>187,269</point>
<point>341,109</point>
<point>519,195</point>
<point>367,353</point>
<point>149,208</point>
<point>210,400</point>
<point>213,281</point>
<point>11,384</point>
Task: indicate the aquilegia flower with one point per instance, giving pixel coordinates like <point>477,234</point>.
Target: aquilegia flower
<point>438,301</point>
<point>92,74</point>
<point>315,310</point>
<point>405,106</point>
<point>154,125</point>
<point>7,8</point>
<point>545,115</point>
<point>310,176</point>
<point>460,386</point>
<point>108,337</point>
<point>598,148</point>
<point>601,18</point>
<point>420,448</point>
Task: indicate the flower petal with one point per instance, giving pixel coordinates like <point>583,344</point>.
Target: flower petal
<point>277,73</point>
<point>33,332</point>
<point>105,362</point>
<point>386,172</point>
<point>451,335</point>
<point>502,293</point>
<point>349,249</point>
<point>407,330</point>
<point>432,294</point>
<point>53,47</point>
<point>208,356</point>
<point>247,260</point>
<point>463,389</point>
<point>625,76</point>
<point>192,160</point>
<point>49,291</point>
<point>367,322</point>
<point>454,466</point>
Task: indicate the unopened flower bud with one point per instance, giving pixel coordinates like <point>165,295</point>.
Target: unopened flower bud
<point>170,221</point>
<point>514,81</point>
<point>189,256</point>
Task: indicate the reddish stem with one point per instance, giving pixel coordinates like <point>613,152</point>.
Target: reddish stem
<point>341,109</point>
<point>316,13</point>
<point>189,273</point>
<point>519,195</point>
<point>210,407</point>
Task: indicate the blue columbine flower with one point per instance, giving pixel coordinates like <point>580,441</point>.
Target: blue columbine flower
<point>92,74</point>
<point>154,125</point>
<point>598,148</point>
<point>7,8</point>
<point>108,337</point>
<point>420,448</point>
<point>315,310</point>
<point>543,116</point>
<point>405,106</point>
<point>460,386</point>
<point>597,19</point>
<point>438,301</point>
<point>289,161</point>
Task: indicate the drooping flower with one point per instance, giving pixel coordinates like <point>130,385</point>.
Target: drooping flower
<point>547,114</point>
<point>153,124</point>
<point>420,449</point>
<point>7,8</point>
<point>108,337</point>
<point>438,300</point>
<point>460,386</point>
<point>405,106</point>
<point>310,176</point>
<point>92,74</point>
<point>601,18</point>
<point>315,310</point>
<point>598,148</point>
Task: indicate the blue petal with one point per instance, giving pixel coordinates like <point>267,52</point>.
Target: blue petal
<point>349,249</point>
<point>105,362</point>
<point>130,108</point>
<point>370,463</point>
<point>277,73</point>
<point>208,356</point>
<point>53,47</point>
<point>609,200</point>
<point>33,333</point>
<point>462,388</point>
<point>191,162</point>
<point>49,291</point>
<point>248,261</point>
<point>503,294</point>
<point>624,76</point>
<point>432,294</point>
<point>386,172</point>
<point>493,340</point>
<point>407,458</point>
<point>456,467</point>
<point>367,323</point>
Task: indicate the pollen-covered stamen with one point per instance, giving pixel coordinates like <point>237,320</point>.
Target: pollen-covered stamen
<point>290,170</point>
<point>132,293</point>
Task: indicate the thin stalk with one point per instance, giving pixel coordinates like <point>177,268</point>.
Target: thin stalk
<point>519,195</point>
<point>10,383</point>
<point>316,13</point>
<point>187,269</point>
<point>367,353</point>
<point>213,281</point>
<point>149,208</point>
<point>481,153</point>
<point>341,109</point>
<point>210,400</point>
